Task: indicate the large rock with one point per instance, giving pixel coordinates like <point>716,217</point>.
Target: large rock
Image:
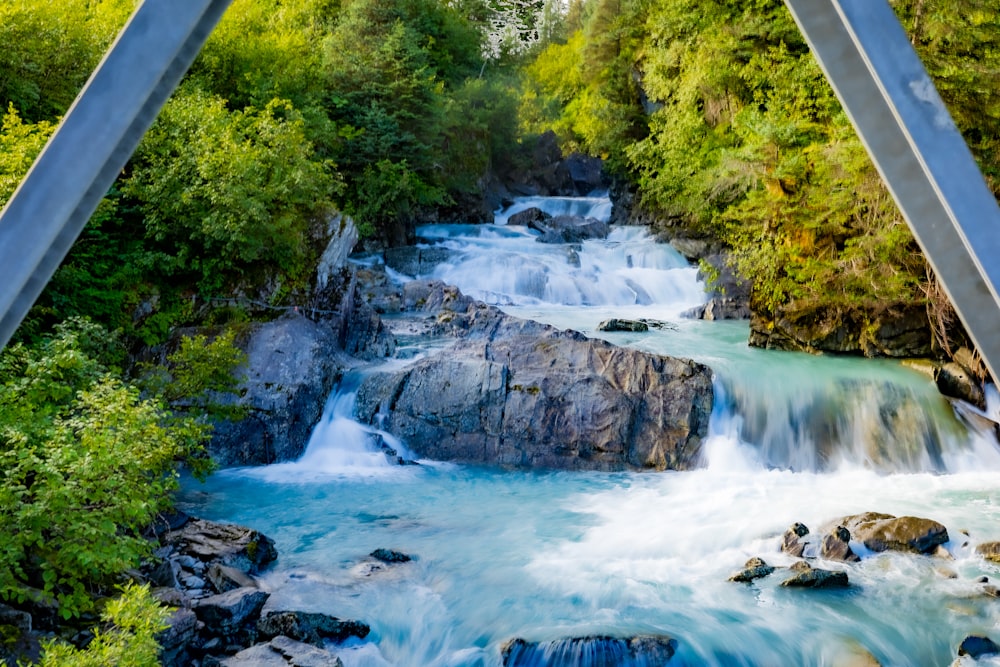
<point>955,381</point>
<point>181,630</point>
<point>590,652</point>
<point>281,652</point>
<point>901,331</point>
<point>308,627</point>
<point>755,568</point>
<point>528,217</point>
<point>806,576</point>
<point>415,260</point>
<point>234,546</point>
<point>729,295</point>
<point>226,613</point>
<point>570,229</point>
<point>885,532</point>
<point>292,365</point>
<point>522,394</point>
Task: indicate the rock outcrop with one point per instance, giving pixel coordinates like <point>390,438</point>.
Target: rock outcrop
<point>569,229</point>
<point>522,394</point>
<point>885,532</point>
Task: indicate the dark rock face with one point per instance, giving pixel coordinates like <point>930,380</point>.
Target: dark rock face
<point>885,532</point>
<point>226,613</point>
<point>570,229</point>
<point>902,331</point>
<point>311,628</point>
<point>521,394</point>
<point>729,295</point>
<point>755,568</point>
<point>590,652</point>
<point>414,260</point>
<point>806,576</point>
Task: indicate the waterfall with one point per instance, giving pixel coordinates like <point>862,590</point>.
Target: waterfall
<point>597,206</point>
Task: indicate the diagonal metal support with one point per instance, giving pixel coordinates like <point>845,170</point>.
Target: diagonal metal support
<point>92,144</point>
<point>917,149</point>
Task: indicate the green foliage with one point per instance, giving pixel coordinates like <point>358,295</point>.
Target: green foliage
<point>128,638</point>
<point>226,192</point>
<point>20,144</point>
<point>86,465</point>
<point>197,373</point>
<point>50,49</point>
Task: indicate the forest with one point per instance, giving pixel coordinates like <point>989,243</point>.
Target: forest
<point>712,113</point>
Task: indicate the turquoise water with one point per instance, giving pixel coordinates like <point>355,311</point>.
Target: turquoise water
<point>549,555</point>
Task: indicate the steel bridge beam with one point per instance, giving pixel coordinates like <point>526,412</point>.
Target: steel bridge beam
<point>917,149</point>
<point>92,144</point>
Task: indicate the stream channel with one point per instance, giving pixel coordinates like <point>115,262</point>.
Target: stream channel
<point>550,555</point>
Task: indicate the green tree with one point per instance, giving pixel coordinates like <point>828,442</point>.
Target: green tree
<point>231,197</point>
<point>87,464</point>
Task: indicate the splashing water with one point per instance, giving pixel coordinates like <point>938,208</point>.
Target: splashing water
<point>550,556</point>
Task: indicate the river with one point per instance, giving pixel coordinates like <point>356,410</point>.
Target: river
<point>550,555</point>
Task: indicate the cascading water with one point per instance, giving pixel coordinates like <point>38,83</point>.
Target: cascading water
<point>550,556</point>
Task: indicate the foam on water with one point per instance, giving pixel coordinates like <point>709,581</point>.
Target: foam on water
<point>548,556</point>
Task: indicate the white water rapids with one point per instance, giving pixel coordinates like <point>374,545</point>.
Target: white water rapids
<point>550,555</point>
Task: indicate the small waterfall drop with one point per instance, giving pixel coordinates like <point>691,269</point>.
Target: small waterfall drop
<point>597,206</point>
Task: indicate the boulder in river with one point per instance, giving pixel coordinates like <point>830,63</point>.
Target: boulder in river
<point>280,652</point>
<point>529,217</point>
<point>989,550</point>
<point>836,546</point>
<point>885,532</point>
<point>590,652</point>
<point>570,229</point>
<point>523,394</point>
<point>793,541</point>
<point>755,568</point>
<point>976,646</point>
<point>312,628</point>
<point>615,324</point>
<point>806,576</point>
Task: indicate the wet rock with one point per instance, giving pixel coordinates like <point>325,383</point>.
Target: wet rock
<point>389,556</point>
<point>809,577</point>
<point>224,578</point>
<point>163,575</point>
<point>522,394</point>
<point>729,295</point>
<point>854,655</point>
<point>312,628</point>
<point>291,368</point>
<point>570,229</point>
<point>755,568</point>
<point>792,542</point>
<point>529,217</point>
<point>976,646</point>
<point>590,652</point>
<point>236,546</point>
<point>956,382</point>
<point>989,550</point>
<point>835,546</point>
<point>281,652</point>
<point>414,260</point>
<point>885,532</point>
<point>901,331</point>
<point>615,324</point>
<point>227,612</point>
<point>181,630</point>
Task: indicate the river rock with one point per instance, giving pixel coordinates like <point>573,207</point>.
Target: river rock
<point>955,381</point>
<point>312,628</point>
<point>280,652</point>
<point>389,556</point>
<point>755,568</point>
<point>807,576</point>
<point>615,324</point>
<point>522,394</point>
<point>976,646</point>
<point>989,550</point>
<point>885,532</point>
<point>729,295</point>
<point>181,630</point>
<point>227,544</point>
<point>529,217</point>
<point>415,260</point>
<point>793,542</point>
<point>226,613</point>
<point>836,546</point>
<point>590,652</point>
<point>570,229</point>
<point>292,365</point>
<point>225,578</point>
